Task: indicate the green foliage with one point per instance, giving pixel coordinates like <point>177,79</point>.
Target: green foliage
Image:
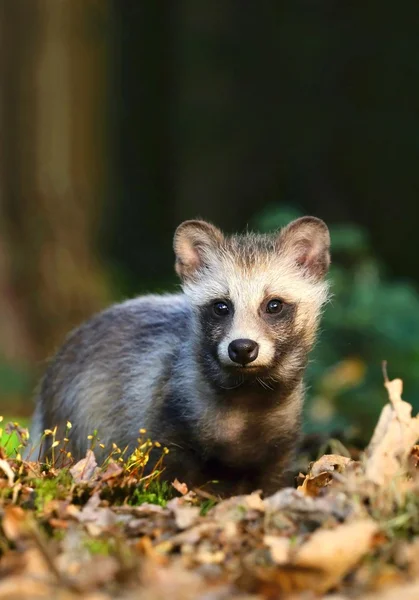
<point>370,318</point>
<point>14,380</point>
<point>9,434</point>
<point>206,506</point>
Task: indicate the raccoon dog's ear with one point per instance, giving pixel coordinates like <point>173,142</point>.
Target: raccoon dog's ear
<point>308,241</point>
<point>194,242</point>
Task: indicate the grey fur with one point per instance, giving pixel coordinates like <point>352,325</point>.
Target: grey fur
<point>145,363</point>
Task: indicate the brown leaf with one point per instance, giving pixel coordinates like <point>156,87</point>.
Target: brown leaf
<point>182,488</point>
<point>24,588</point>
<point>300,507</point>
<point>330,463</point>
<point>32,579</point>
<point>333,553</point>
<point>113,470</point>
<point>409,591</point>
<point>85,469</point>
<point>279,547</point>
<point>172,582</point>
<point>96,518</point>
<point>97,571</point>
<point>36,565</point>
<point>321,473</point>
<point>414,457</point>
<point>394,437</point>
<point>185,515</point>
<point>14,523</point>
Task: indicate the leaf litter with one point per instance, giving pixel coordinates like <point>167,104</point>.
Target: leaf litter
<point>349,530</point>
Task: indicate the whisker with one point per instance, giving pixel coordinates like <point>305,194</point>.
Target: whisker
<point>240,382</point>
<point>264,384</point>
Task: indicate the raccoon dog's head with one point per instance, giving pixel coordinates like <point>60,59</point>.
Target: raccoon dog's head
<point>256,298</point>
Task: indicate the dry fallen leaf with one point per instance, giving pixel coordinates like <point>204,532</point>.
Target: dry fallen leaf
<point>7,469</point>
<point>185,515</point>
<point>15,523</point>
<point>394,437</point>
<point>301,508</point>
<point>112,470</point>
<point>321,472</point>
<point>85,469</point>
<point>414,457</point>
<point>96,518</point>
<point>408,591</point>
<point>294,544</point>
<point>334,552</point>
<point>19,587</point>
<point>182,488</point>
<point>279,548</point>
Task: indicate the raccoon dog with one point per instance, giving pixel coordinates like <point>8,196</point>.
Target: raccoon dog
<point>214,373</point>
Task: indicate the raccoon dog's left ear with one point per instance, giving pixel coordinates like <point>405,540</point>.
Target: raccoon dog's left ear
<point>308,241</point>
<point>194,243</point>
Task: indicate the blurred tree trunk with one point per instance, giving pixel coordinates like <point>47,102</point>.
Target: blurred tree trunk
<point>53,151</point>
<point>15,339</point>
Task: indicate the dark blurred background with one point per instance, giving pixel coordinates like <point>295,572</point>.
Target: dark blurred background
<point>119,119</point>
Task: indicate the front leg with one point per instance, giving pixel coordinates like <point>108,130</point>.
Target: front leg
<point>278,474</point>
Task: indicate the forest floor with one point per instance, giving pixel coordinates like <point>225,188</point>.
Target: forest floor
<point>350,529</point>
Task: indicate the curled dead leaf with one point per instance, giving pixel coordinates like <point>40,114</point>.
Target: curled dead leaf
<point>182,488</point>
<point>321,473</point>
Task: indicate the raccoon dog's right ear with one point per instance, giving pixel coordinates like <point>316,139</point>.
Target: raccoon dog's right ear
<point>194,242</point>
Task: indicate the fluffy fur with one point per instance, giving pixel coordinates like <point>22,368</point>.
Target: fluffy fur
<point>162,362</point>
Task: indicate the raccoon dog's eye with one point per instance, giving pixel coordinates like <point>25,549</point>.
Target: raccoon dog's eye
<point>274,306</point>
<point>221,309</point>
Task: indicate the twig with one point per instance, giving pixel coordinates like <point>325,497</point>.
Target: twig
<point>384,369</point>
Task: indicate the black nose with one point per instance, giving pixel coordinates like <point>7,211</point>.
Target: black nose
<point>243,351</point>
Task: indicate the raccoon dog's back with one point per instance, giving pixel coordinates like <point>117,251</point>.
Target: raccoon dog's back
<point>108,373</point>
<point>214,373</point>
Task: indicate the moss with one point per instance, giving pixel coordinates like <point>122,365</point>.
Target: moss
<point>51,488</point>
<point>158,492</point>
